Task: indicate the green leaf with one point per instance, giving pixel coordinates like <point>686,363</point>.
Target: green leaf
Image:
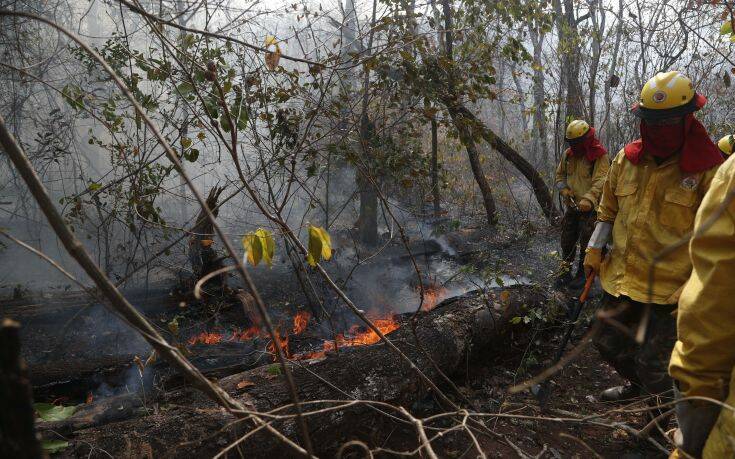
<point>49,412</point>
<point>726,28</point>
<point>54,446</point>
<point>185,88</point>
<point>191,155</point>
<point>320,245</point>
<point>185,142</point>
<point>274,369</point>
<point>94,186</point>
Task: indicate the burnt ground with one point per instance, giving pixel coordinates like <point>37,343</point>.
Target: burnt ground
<point>524,252</point>
<point>575,389</point>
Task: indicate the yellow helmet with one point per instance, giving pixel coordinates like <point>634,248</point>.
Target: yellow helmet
<point>577,129</point>
<point>667,95</point>
<point>726,144</point>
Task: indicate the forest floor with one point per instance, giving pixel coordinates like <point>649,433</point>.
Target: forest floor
<point>526,253</point>
<point>575,390</point>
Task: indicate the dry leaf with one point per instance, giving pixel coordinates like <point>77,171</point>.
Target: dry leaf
<point>245,383</point>
<point>505,297</point>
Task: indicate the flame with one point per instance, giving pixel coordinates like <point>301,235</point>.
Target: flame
<point>206,338</point>
<point>300,321</point>
<point>283,341</point>
<point>433,294</point>
<point>355,337</point>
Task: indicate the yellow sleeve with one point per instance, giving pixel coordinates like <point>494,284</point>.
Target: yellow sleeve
<point>608,208</point>
<point>599,174</point>
<point>704,354</point>
<point>561,177</point>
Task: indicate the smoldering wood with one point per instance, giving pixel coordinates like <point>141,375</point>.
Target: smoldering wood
<point>17,432</point>
<point>459,329</point>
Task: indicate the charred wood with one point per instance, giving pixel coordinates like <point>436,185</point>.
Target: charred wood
<point>462,328</point>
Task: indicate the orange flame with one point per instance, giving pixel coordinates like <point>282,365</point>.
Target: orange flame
<point>300,321</point>
<point>358,338</point>
<point>283,341</point>
<point>205,338</point>
<point>432,295</point>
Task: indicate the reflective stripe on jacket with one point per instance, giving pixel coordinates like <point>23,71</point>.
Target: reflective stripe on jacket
<point>583,177</point>
<point>651,207</point>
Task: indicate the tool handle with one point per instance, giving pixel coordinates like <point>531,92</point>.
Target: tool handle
<point>587,287</point>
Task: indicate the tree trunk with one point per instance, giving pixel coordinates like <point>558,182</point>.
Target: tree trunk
<point>459,329</point>
<point>540,190</point>
<point>17,432</point>
<point>461,123</point>
<point>435,192</point>
<point>202,256</point>
<point>465,135</point>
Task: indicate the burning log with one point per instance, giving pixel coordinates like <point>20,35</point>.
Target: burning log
<point>458,329</point>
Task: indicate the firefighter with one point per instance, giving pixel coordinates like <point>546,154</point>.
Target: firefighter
<point>703,360</point>
<point>579,178</point>
<point>725,145</point>
<point>649,201</point>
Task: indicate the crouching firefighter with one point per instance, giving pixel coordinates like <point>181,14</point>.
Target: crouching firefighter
<point>579,178</point>
<point>649,201</point>
<point>703,360</point>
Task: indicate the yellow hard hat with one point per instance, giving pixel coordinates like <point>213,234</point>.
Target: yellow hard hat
<point>726,144</point>
<point>577,129</point>
<point>667,95</point>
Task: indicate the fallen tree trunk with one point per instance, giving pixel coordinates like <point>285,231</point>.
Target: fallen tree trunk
<point>455,331</point>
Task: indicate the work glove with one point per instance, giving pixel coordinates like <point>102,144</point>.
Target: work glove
<point>584,205</point>
<point>592,261</point>
<point>566,192</point>
<point>696,419</point>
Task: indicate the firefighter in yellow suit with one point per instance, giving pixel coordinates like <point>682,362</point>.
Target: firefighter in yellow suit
<point>579,178</point>
<point>649,202</point>
<point>703,360</point>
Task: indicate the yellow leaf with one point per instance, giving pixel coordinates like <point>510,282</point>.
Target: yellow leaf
<point>259,245</point>
<point>268,244</point>
<point>504,297</point>
<point>726,28</point>
<point>270,40</point>
<point>320,245</point>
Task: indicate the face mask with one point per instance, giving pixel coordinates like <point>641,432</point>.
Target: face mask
<point>578,148</point>
<point>662,140</point>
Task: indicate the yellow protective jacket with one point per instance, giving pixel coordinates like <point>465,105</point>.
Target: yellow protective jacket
<point>703,360</point>
<point>583,177</point>
<point>651,207</point>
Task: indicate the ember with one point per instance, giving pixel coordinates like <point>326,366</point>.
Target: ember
<point>205,338</point>
<point>358,338</point>
<point>357,335</point>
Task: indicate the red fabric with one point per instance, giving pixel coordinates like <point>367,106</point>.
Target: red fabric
<point>698,152</point>
<point>589,146</point>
